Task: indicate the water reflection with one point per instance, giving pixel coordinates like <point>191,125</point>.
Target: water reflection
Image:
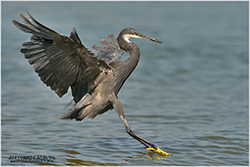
<point>150,157</point>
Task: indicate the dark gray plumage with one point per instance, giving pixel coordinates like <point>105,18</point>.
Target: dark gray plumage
<point>62,62</point>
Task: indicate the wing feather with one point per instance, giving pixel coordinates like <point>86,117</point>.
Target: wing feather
<point>111,52</point>
<point>60,61</point>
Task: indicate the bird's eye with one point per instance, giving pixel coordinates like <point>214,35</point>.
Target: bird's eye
<point>133,33</point>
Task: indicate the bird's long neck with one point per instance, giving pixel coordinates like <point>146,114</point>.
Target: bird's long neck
<point>134,58</point>
<point>127,67</point>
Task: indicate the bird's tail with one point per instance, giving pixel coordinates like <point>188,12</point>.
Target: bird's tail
<point>75,113</point>
<point>78,111</point>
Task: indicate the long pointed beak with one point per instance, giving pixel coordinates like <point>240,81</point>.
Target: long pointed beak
<point>150,38</point>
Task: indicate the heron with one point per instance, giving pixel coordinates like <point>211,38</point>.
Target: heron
<point>95,79</point>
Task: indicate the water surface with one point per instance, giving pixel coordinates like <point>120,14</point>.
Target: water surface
<point>189,96</point>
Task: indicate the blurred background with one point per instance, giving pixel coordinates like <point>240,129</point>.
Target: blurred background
<point>189,95</point>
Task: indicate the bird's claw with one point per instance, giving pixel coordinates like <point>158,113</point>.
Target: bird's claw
<point>158,150</point>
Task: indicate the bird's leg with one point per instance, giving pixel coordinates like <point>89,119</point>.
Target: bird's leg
<point>132,134</point>
<point>149,146</point>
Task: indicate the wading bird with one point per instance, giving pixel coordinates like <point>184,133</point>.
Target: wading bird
<point>95,80</point>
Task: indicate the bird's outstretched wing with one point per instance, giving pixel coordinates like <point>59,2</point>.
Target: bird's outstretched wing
<point>60,61</point>
<point>111,52</point>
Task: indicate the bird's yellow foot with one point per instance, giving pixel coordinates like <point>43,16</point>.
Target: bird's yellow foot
<point>158,150</point>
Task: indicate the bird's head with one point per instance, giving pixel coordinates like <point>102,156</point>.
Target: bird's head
<point>128,33</point>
